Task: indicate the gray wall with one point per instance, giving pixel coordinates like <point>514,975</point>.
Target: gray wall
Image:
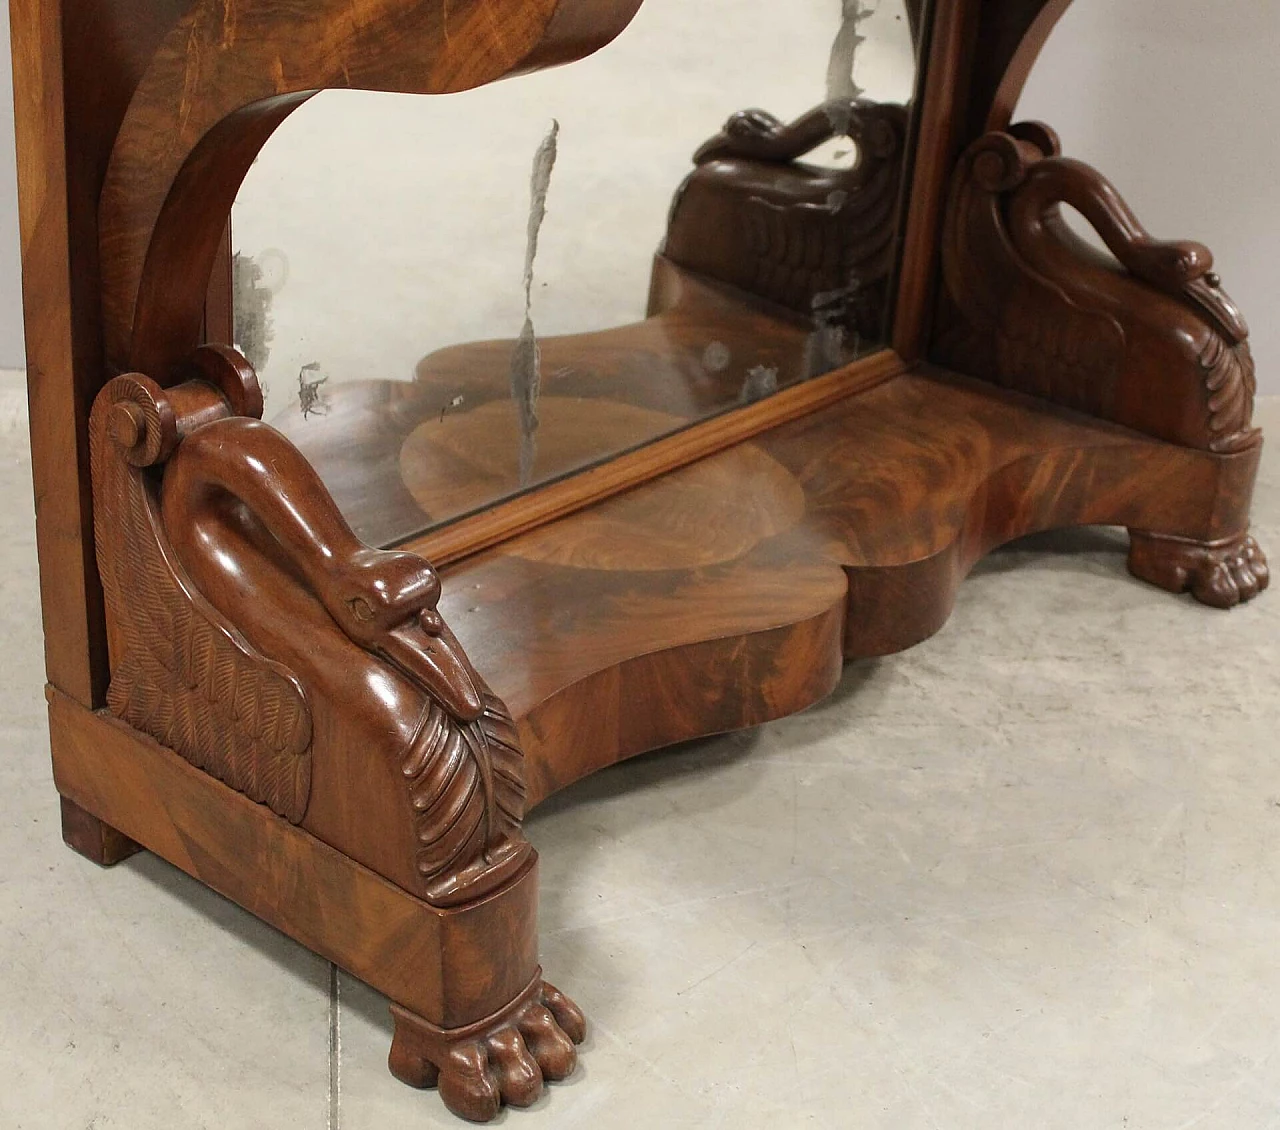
<point>1178,101</point>
<point>11,350</point>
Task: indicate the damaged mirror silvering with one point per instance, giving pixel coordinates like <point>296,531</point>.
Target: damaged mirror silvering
<point>453,299</point>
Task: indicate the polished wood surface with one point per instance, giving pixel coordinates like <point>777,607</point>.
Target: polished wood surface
<point>449,966</point>
<point>58,268</point>
<point>219,653</point>
<point>1149,339</point>
<point>944,78</point>
<point>92,838</point>
<point>601,655</point>
<point>344,739</point>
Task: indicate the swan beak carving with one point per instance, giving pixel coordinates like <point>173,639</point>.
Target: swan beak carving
<point>426,650</point>
<point>386,601</point>
<point>1184,269</point>
<point>1207,295</point>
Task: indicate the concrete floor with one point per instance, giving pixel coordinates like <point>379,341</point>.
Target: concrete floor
<point>1026,875</point>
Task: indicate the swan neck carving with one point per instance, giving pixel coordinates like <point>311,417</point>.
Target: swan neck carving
<point>385,601</point>
<point>1146,338</point>
<point>254,634</point>
<point>811,240</point>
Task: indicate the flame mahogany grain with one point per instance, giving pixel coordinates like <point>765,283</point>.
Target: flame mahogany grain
<point>344,740</point>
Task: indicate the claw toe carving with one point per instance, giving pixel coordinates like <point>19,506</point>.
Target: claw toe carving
<point>467,1086</point>
<point>517,1073</point>
<point>1220,575</point>
<point>547,1041</point>
<point>568,1015</point>
<point>504,1059</point>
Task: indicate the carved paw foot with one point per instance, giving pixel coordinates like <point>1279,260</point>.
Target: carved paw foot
<point>503,1059</point>
<point>1221,575</point>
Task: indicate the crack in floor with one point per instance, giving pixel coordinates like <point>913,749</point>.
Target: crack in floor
<point>335,1048</point>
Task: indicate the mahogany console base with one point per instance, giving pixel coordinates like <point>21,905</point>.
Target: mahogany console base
<point>731,591</point>
<point>717,597</point>
<point>344,738</point>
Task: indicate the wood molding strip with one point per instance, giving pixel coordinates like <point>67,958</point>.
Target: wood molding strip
<point>471,534</point>
<point>75,644</point>
<point>937,133</point>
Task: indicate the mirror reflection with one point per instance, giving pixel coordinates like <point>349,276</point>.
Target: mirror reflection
<point>453,299</point>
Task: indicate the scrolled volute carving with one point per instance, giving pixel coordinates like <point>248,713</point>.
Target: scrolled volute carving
<point>1148,339</point>
<point>254,634</point>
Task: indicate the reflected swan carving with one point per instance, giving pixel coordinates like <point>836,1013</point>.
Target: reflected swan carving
<point>818,241</point>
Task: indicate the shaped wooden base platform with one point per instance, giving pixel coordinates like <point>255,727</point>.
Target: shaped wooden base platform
<point>730,592</point>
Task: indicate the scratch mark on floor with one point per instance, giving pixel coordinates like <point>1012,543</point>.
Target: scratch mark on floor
<point>716,972</point>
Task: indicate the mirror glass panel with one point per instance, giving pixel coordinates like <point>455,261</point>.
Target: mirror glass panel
<point>454,299</point>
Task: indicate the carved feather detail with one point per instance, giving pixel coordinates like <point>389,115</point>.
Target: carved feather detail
<point>1231,378</point>
<point>466,783</point>
<point>807,254</point>
<point>180,673</point>
<point>1060,351</point>
<point>816,240</point>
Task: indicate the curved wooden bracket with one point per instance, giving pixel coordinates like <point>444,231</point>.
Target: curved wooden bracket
<point>1013,34</point>
<point>1150,340</point>
<point>253,633</point>
<point>220,81</point>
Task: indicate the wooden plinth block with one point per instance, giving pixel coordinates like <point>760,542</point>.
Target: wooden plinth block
<point>85,833</point>
<point>450,966</point>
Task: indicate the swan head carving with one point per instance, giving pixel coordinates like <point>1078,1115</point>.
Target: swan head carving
<point>878,130</point>
<point>384,601</point>
<point>1184,269</point>
<point>387,602</point>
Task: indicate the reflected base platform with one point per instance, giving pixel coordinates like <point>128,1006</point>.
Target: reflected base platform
<point>401,457</point>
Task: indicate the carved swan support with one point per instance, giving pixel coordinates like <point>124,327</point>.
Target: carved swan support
<point>1150,340</point>
<point>239,564</point>
<point>253,634</point>
<point>818,241</point>
<point>1147,339</point>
